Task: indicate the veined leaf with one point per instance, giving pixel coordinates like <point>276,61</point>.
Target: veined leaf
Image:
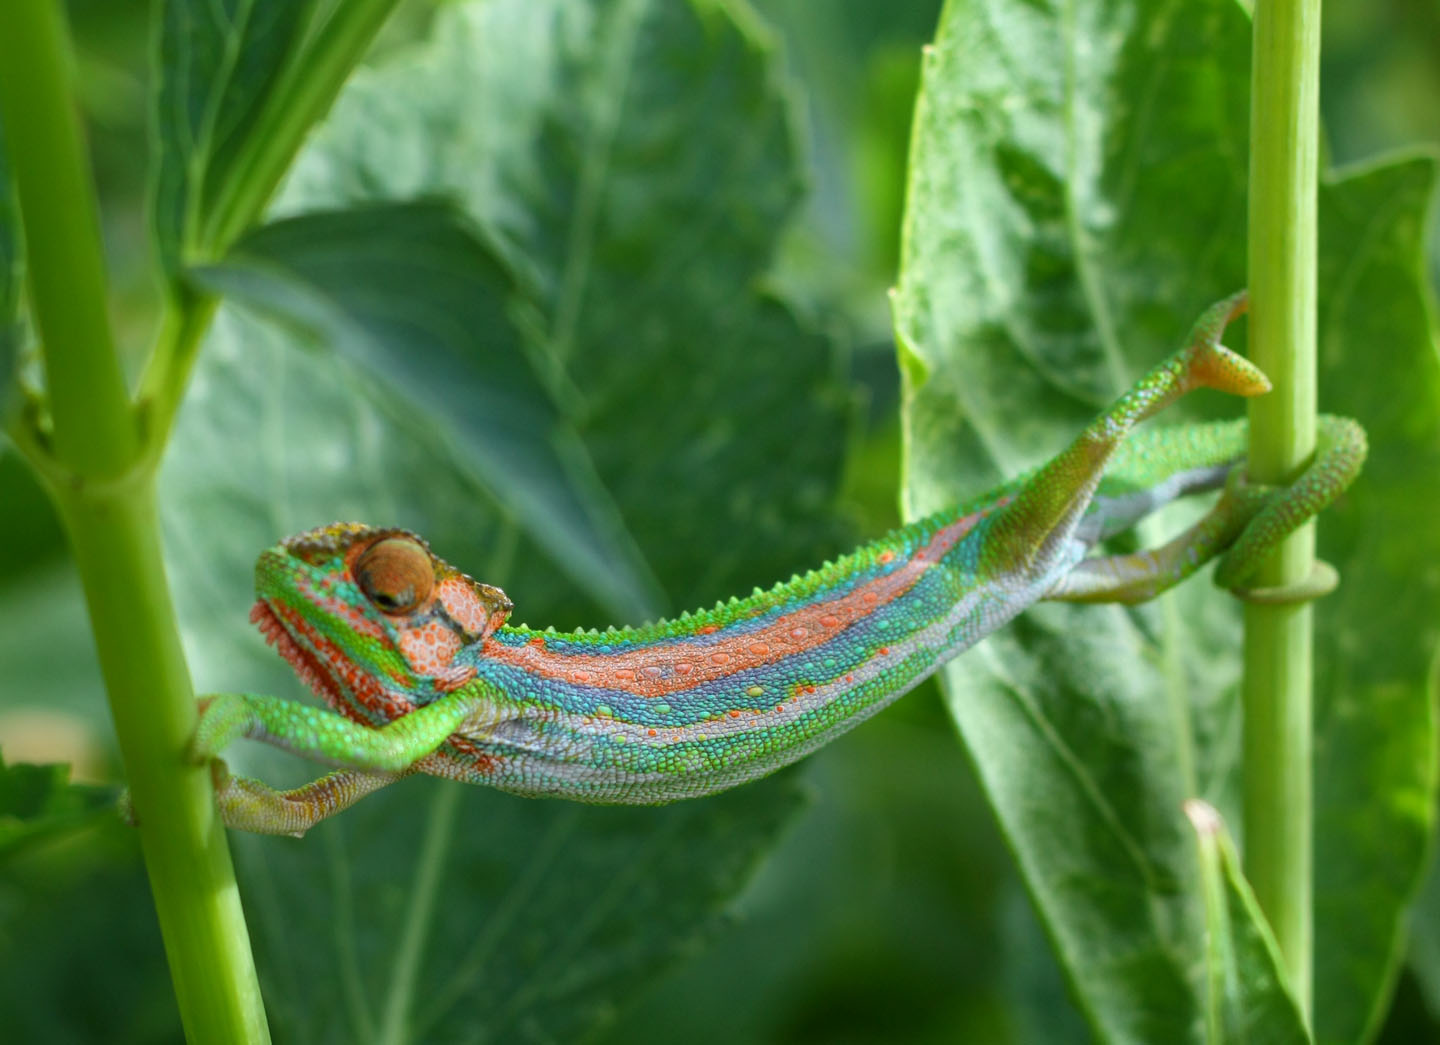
<point>1248,998</point>
<point>1378,636</point>
<point>412,297</point>
<point>217,64</point>
<point>237,86</point>
<point>1046,248</point>
<point>684,381</point>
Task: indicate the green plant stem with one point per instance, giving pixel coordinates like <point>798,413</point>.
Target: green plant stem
<point>103,484</point>
<point>1284,136</point>
<point>116,542</point>
<point>94,430</point>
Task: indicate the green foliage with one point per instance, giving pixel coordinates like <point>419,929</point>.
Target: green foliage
<point>1247,996</point>
<point>1040,282</point>
<point>527,289</point>
<point>36,801</point>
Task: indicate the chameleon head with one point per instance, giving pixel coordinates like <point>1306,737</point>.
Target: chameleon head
<point>370,619</point>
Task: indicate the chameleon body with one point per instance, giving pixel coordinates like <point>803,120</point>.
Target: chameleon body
<point>427,675</point>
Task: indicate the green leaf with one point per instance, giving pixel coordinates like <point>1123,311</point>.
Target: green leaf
<point>414,299</point>
<point>1377,637</point>
<point>238,85</point>
<point>1249,999</point>
<point>526,921</point>
<point>635,163</point>
<point>1077,194</point>
<point>39,801</point>
<point>217,62</point>
<point>715,421</point>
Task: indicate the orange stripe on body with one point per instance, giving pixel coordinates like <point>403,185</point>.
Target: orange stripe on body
<point>669,667</point>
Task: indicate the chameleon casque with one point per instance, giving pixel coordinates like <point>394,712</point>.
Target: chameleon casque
<point>424,674</point>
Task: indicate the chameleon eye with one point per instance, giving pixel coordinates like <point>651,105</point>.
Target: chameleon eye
<point>395,574</point>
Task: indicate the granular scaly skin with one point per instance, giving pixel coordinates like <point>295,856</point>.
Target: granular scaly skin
<point>427,674</point>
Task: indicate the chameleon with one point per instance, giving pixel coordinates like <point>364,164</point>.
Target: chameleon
<point>420,670</point>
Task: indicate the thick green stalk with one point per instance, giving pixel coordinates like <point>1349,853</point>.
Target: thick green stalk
<point>93,425</point>
<point>1284,137</point>
<point>116,540</point>
<point>103,485</point>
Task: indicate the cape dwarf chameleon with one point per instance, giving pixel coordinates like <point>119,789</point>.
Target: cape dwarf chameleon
<point>424,674</point>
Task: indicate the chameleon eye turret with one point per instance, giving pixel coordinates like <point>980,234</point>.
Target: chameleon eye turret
<point>396,574</point>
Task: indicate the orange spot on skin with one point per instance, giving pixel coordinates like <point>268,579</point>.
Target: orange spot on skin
<point>809,689</point>
<point>760,649</point>
<point>709,629</point>
<point>720,658</point>
<point>580,676</point>
<point>830,621</point>
<point>537,642</point>
<point>683,668</point>
<point>849,678</point>
<point>884,651</point>
<point>625,674</point>
<point>734,714</point>
<point>428,649</point>
<point>887,556</point>
<point>651,732</point>
<point>779,707</point>
<point>871,597</point>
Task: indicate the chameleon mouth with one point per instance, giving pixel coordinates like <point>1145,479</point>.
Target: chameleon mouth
<point>302,660</point>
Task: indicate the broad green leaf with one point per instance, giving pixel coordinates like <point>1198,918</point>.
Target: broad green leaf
<point>1036,280</point>
<point>686,384</point>
<point>517,921</point>
<point>635,163</point>
<point>1077,193</point>
<point>1377,638</point>
<point>414,299</point>
<point>217,63</point>
<point>39,801</point>
<point>1248,999</point>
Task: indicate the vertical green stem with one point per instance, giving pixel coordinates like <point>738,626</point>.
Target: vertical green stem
<point>1284,144</point>
<point>104,488</point>
<point>116,541</point>
<point>65,261</point>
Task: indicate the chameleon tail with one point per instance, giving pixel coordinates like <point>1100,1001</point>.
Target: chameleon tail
<point>1339,454</point>
<point>1045,510</point>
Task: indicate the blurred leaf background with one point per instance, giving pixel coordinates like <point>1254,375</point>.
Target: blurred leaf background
<point>889,909</point>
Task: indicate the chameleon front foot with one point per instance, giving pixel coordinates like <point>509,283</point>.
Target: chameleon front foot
<point>249,805</point>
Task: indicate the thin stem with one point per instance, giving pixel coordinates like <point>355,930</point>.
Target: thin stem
<point>94,429</point>
<point>1284,136</point>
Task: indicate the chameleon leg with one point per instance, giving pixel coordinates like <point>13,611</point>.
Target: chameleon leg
<point>325,736</point>
<point>252,806</point>
<point>1036,524</point>
<point>1244,526</point>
